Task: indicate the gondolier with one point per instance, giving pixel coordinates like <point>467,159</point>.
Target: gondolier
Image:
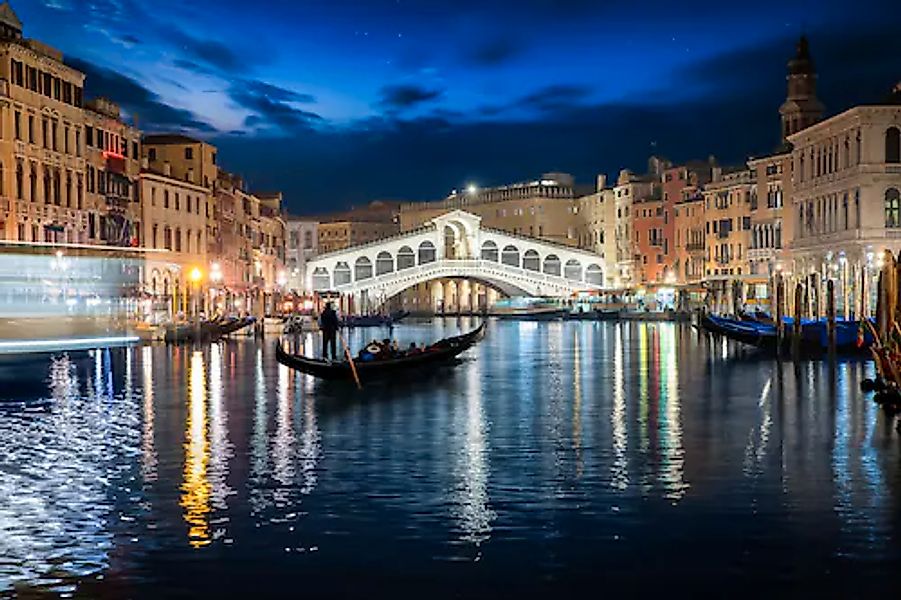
<point>328,323</point>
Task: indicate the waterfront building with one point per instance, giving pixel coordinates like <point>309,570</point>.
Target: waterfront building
<point>112,149</point>
<point>357,226</point>
<point>770,231</point>
<point>690,262</point>
<point>596,225</point>
<point>846,199</point>
<point>727,210</point>
<point>545,208</point>
<point>302,245</point>
<point>630,189</point>
<point>173,218</point>
<point>42,146</point>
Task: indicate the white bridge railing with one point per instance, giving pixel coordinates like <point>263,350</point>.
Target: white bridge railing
<point>526,280</point>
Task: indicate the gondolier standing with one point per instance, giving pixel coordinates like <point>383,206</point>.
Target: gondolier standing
<point>328,323</point>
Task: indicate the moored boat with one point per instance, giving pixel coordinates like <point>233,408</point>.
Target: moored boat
<point>413,363</point>
<point>813,339</point>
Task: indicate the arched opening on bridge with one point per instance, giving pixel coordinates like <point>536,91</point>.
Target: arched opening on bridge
<point>384,263</point>
<point>450,242</point>
<point>426,252</point>
<point>552,264</point>
<point>342,274</point>
<point>489,251</point>
<point>594,275</point>
<point>573,270</point>
<point>510,256</point>
<point>321,279</point>
<point>405,258</point>
<point>362,269</point>
<point>531,261</point>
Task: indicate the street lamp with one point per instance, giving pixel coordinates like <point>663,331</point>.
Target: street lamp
<point>195,275</point>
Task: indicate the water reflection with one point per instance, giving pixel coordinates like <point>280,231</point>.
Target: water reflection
<point>518,456</point>
<point>196,488</point>
<point>473,512</point>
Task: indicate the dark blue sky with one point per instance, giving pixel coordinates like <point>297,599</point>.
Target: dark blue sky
<point>337,102</point>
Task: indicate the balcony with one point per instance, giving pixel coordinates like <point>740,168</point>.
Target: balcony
<point>695,247</point>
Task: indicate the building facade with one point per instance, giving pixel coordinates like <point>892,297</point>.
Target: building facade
<point>727,210</point>
<point>302,245</point>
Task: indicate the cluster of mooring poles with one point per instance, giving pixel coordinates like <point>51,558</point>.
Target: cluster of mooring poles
<point>886,347</point>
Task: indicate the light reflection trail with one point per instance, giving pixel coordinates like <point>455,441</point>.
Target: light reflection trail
<point>671,419</point>
<point>283,444</point>
<point>148,450</point>
<point>259,459</point>
<point>220,447</point>
<point>196,489</point>
<point>620,468</point>
<point>474,513</point>
<point>310,439</point>
<point>577,406</point>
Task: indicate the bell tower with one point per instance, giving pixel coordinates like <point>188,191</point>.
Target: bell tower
<point>801,108</point>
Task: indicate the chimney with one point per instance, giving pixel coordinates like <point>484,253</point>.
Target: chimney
<point>602,182</point>
<point>167,169</point>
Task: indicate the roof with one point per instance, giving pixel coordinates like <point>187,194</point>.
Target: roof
<point>8,16</point>
<point>169,138</point>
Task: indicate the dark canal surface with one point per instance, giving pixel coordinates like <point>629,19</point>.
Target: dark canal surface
<point>635,458</point>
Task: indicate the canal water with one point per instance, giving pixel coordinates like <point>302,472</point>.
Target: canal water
<point>634,457</point>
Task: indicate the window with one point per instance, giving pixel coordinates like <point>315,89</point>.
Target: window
<point>18,125</point>
<point>893,145</point>
<point>893,208</point>
<point>151,154</point>
<point>77,142</point>
<point>165,198</point>
<point>189,153</point>
<point>30,129</point>
<point>89,135</point>
<point>134,150</point>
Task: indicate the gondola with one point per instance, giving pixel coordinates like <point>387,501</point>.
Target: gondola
<point>421,362</point>
<point>814,339</point>
<point>206,331</point>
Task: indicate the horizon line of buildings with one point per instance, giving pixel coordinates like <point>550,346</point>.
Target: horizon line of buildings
<point>73,172</point>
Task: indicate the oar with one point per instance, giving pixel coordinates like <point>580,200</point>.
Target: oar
<point>350,359</point>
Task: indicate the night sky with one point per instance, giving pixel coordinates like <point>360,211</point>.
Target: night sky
<point>338,102</point>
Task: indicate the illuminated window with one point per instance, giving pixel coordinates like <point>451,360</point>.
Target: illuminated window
<point>892,208</point>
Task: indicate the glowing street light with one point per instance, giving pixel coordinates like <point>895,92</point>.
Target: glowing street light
<point>196,274</point>
<point>472,189</point>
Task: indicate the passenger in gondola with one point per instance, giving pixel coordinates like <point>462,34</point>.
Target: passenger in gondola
<point>373,351</point>
<point>413,349</point>
<point>328,324</point>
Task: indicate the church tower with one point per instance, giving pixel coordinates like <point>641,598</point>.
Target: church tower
<point>801,108</point>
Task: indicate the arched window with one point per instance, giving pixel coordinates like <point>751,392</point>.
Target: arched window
<point>595,276</point>
<point>531,261</point>
<point>552,264</point>
<point>20,176</point>
<point>33,183</point>
<point>426,252</point>
<point>573,270</point>
<point>342,274</point>
<point>405,258</point>
<point>362,268</point>
<point>892,208</point>
<point>384,263</point>
<point>893,145</point>
<point>489,251</point>
<point>510,256</point>
<point>321,279</point>
<point>450,242</point>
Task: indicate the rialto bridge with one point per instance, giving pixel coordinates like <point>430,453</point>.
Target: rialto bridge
<point>452,247</point>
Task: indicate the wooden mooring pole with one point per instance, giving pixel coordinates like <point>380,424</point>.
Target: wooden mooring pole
<point>830,314</point>
<point>796,325</point>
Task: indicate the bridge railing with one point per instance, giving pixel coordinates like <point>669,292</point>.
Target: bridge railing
<point>476,268</point>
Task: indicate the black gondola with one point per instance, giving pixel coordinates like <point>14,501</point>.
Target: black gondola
<point>431,356</point>
<point>206,331</point>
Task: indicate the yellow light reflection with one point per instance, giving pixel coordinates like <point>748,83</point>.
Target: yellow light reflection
<point>195,498</point>
<point>577,407</point>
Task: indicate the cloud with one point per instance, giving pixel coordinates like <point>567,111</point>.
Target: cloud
<point>404,97</point>
<point>209,53</point>
<point>494,52</point>
<point>137,100</point>
<point>272,106</point>
<point>555,98</point>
